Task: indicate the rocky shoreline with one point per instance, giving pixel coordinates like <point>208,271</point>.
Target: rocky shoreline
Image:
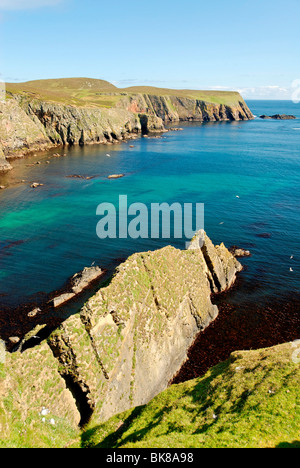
<point>29,125</point>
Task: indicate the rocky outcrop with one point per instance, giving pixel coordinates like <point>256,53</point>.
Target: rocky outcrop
<point>129,339</point>
<point>279,117</point>
<point>78,283</point>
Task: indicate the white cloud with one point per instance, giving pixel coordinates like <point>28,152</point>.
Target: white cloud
<point>259,92</point>
<point>267,92</point>
<point>26,4</point>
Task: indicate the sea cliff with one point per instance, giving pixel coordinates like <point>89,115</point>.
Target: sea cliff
<point>35,118</point>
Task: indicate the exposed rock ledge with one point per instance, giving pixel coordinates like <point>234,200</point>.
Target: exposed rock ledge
<point>128,341</point>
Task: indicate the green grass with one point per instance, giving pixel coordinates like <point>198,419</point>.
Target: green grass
<point>249,401</point>
<point>99,93</point>
<point>73,91</point>
<point>217,97</point>
<point>32,432</point>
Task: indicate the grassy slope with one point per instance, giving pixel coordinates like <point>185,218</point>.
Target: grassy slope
<point>218,97</point>
<point>74,91</point>
<point>90,92</point>
<point>251,400</point>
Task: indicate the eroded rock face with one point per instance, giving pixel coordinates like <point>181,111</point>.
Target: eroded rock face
<point>222,265</point>
<point>18,133</point>
<point>133,335</point>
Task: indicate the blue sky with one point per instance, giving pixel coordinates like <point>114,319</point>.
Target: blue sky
<point>251,46</point>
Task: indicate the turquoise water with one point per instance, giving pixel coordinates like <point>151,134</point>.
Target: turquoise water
<point>49,233</point>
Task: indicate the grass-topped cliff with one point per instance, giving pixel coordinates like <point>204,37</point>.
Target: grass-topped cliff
<point>249,401</point>
<point>41,114</point>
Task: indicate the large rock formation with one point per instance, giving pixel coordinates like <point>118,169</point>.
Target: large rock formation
<point>128,341</point>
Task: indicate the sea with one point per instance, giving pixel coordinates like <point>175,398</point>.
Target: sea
<point>246,174</point>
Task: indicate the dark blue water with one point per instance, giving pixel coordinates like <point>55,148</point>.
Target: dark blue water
<point>49,233</point>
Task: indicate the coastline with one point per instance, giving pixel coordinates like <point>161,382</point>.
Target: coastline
<point>16,322</point>
<point>30,121</point>
<point>244,326</point>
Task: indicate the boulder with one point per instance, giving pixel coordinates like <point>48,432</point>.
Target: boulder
<point>116,176</point>
<point>239,252</point>
<point>34,312</point>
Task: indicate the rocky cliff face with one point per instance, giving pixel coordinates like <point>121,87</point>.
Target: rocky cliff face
<point>174,109</point>
<point>19,134</point>
<point>32,125</point>
<point>128,341</point>
<point>65,124</point>
<point>28,124</point>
